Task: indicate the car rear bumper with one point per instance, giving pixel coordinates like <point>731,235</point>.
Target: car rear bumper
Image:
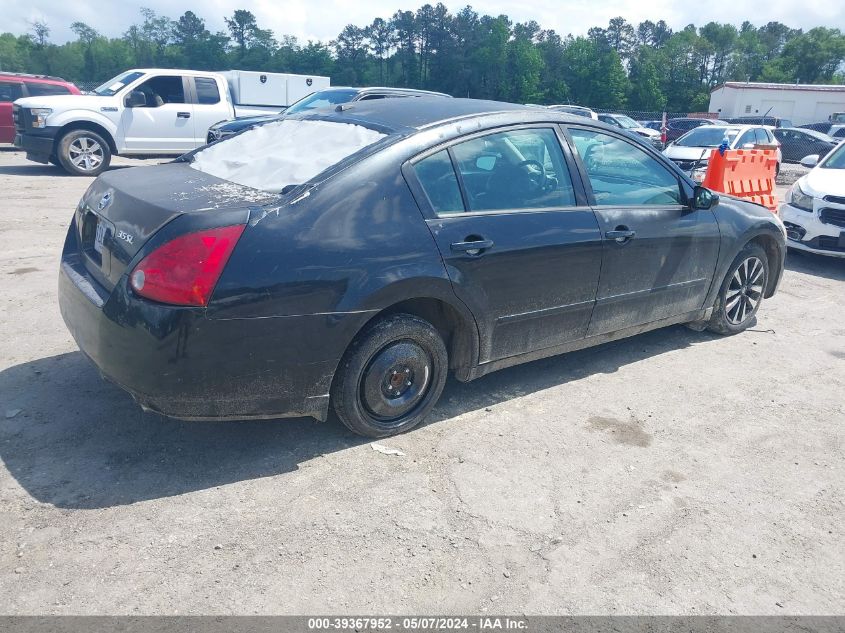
<point>180,363</point>
<point>806,232</point>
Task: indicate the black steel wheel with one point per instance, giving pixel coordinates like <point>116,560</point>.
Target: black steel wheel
<point>390,377</point>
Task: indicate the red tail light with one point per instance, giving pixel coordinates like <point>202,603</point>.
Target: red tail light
<point>185,270</point>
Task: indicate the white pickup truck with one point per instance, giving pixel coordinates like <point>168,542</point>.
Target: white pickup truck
<point>146,112</point>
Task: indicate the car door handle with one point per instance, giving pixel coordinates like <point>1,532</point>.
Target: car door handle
<point>183,115</point>
<point>472,247</point>
<point>620,234</point>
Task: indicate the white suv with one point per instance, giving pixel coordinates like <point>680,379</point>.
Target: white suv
<point>814,209</point>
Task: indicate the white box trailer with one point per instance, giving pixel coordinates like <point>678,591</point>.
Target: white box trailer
<point>271,90</point>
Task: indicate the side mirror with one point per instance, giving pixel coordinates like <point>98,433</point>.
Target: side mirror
<point>810,161</point>
<point>703,198</point>
<point>748,146</point>
<point>135,99</point>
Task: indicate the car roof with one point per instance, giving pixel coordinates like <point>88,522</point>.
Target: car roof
<point>388,89</point>
<point>416,114</point>
<point>46,79</point>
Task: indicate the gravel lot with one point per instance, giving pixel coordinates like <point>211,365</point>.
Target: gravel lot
<point>672,473</point>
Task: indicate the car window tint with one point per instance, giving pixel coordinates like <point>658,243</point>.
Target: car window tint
<point>10,91</point>
<point>162,90</point>
<point>518,169</point>
<point>747,137</point>
<point>438,179</point>
<point>207,91</point>
<point>42,90</point>
<point>623,174</point>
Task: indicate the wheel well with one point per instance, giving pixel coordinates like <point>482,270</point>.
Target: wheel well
<point>458,334</point>
<point>770,245</point>
<point>86,125</point>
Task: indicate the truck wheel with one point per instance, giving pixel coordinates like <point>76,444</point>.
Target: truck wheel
<point>390,377</point>
<point>83,153</point>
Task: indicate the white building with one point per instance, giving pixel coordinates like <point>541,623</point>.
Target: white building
<point>799,103</point>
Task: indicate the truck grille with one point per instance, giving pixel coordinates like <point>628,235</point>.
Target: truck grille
<point>19,116</point>
<point>836,217</point>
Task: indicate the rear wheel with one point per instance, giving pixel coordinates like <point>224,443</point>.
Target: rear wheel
<point>391,376</point>
<point>83,153</point>
<point>741,292</point>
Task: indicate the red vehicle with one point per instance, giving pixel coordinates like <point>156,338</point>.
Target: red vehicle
<point>14,86</point>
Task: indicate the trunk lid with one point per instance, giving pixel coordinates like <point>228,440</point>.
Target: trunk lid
<point>124,208</point>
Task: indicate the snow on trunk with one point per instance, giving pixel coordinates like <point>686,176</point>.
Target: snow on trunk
<point>288,152</point>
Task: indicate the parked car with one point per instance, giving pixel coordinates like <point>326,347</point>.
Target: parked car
<point>576,110</point>
<point>352,258</point>
<point>834,130</point>
<point>320,99</point>
<point>814,209</point>
<point>143,112</point>
<point>796,143</point>
<point>653,125</point>
<point>628,124</point>
<point>15,86</point>
<point>677,127</point>
<point>692,151</point>
<point>771,121</point>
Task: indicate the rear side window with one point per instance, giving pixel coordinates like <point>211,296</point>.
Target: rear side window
<point>623,174</point>
<point>42,90</point>
<point>207,91</point>
<point>517,169</point>
<point>10,91</point>
<point>440,183</point>
<point>762,137</point>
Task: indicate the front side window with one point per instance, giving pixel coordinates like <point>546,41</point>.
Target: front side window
<point>162,90</point>
<point>517,169</point>
<point>622,174</point>
<point>10,91</point>
<point>747,137</point>
<point>438,179</point>
<point>207,91</point>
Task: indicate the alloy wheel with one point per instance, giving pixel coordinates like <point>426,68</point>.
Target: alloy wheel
<point>86,153</point>
<point>744,291</point>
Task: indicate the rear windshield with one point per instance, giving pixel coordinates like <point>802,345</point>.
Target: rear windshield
<point>283,153</point>
<point>707,136</point>
<point>322,99</point>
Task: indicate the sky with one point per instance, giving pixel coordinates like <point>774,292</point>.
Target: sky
<point>324,19</point>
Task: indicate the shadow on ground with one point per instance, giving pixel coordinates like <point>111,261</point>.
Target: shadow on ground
<point>818,265</point>
<point>37,169</point>
<point>79,442</point>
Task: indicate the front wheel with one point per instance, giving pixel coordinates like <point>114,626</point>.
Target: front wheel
<point>83,153</point>
<point>741,292</point>
<point>391,376</point>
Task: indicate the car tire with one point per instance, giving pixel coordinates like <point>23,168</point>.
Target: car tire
<point>390,377</point>
<point>83,153</point>
<point>741,292</point>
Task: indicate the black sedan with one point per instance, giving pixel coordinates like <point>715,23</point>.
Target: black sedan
<point>796,143</point>
<point>265,276</point>
<point>320,99</point>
